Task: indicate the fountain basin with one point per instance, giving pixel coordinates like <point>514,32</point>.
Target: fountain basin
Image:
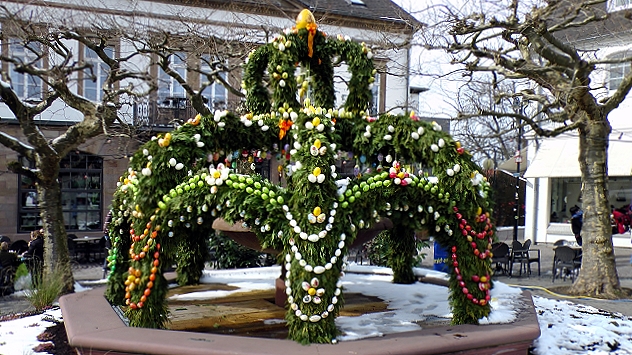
<point>94,327</point>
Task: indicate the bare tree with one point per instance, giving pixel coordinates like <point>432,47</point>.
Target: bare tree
<point>524,41</point>
<point>487,137</point>
<point>51,67</point>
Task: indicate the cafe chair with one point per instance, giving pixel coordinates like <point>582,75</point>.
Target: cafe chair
<point>517,256</point>
<point>500,258</point>
<point>533,255</point>
<point>566,263</point>
<point>73,249</point>
<point>560,242</point>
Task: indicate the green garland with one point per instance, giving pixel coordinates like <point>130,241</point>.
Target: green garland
<point>166,203</point>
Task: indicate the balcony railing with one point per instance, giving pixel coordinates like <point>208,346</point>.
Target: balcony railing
<point>172,110</point>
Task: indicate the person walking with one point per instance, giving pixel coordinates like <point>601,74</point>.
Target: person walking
<point>577,221</point>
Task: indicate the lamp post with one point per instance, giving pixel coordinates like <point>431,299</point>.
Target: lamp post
<point>517,107</point>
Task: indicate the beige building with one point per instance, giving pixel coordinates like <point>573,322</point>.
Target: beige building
<point>88,176</point>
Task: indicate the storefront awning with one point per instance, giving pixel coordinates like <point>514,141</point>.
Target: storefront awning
<point>558,157</point>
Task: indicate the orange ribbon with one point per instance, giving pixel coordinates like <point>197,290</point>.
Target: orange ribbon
<point>284,126</point>
<point>311,29</point>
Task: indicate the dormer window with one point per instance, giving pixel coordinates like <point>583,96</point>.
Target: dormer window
<point>358,2</point>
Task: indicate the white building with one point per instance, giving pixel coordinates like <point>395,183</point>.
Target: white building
<point>554,179</point>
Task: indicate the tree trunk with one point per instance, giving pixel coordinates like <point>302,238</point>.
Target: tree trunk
<point>56,257</point>
<point>598,276</point>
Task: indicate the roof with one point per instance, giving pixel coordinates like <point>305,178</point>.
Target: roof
<point>380,10</point>
<point>611,31</point>
<point>385,12</point>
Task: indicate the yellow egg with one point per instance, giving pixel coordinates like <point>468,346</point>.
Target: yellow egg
<point>304,18</point>
<point>483,279</point>
<point>316,121</point>
<point>317,143</point>
<point>316,171</point>
<point>479,211</point>
<point>458,145</point>
<point>311,291</point>
<point>317,211</point>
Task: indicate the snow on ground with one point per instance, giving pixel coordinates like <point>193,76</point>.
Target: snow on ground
<point>567,328</point>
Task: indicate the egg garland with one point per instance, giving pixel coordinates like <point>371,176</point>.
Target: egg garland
<point>313,220</point>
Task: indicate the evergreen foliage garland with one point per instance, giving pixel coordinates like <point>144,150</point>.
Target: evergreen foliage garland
<point>166,203</point>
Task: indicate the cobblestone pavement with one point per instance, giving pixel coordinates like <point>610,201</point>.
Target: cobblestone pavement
<point>541,285</point>
<point>87,275</point>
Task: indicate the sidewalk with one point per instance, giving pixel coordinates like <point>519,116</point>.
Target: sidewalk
<point>91,275</point>
<point>538,286</point>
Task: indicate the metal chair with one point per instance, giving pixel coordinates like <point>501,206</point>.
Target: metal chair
<point>560,242</point>
<point>518,255</point>
<point>533,255</point>
<point>501,257</point>
<point>566,263</point>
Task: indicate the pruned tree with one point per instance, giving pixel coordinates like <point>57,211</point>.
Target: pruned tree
<point>47,67</point>
<point>487,137</point>
<point>524,41</point>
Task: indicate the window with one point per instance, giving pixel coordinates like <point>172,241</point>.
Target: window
<point>168,87</point>
<point>215,94</point>
<point>375,100</point>
<point>617,72</point>
<point>81,176</point>
<point>95,78</point>
<point>25,85</point>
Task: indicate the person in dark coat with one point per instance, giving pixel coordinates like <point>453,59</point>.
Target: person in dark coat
<point>577,221</point>
<point>36,246</point>
<point>7,259</point>
<point>34,256</point>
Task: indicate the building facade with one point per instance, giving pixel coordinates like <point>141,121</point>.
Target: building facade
<point>89,175</point>
<point>554,178</point>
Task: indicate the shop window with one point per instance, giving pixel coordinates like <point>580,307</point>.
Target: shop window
<point>565,193</point>
<point>81,177</point>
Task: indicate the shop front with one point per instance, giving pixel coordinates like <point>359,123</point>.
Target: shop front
<point>554,187</point>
